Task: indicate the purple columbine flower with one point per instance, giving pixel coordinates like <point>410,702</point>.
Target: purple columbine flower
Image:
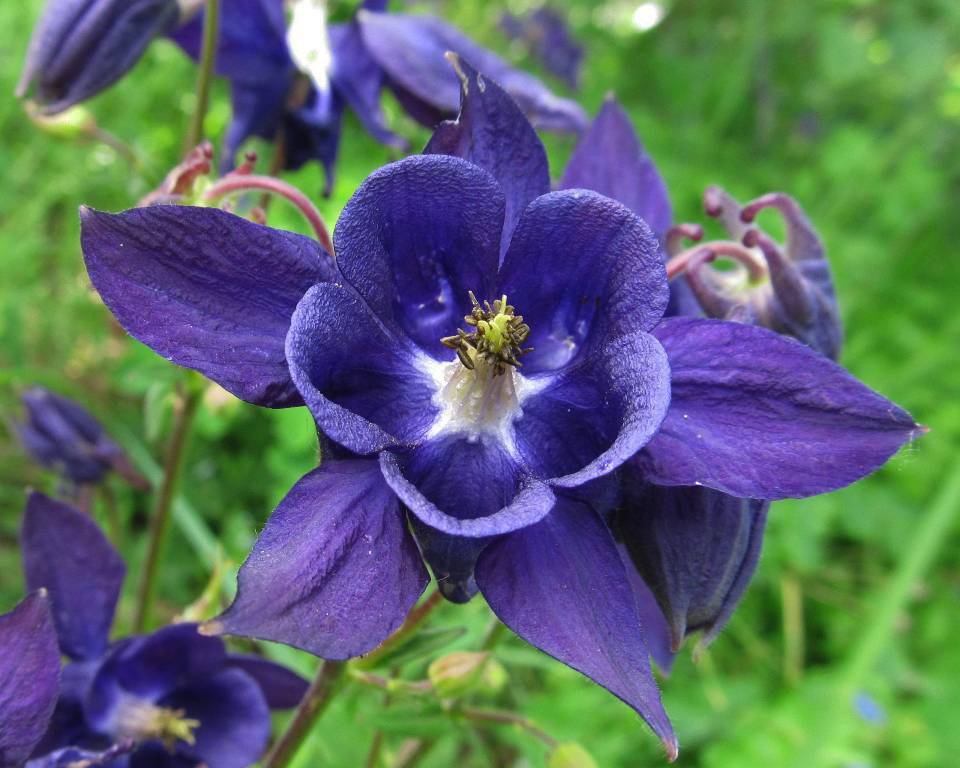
<point>171,698</point>
<point>29,677</point>
<point>414,359</point>
<point>81,47</point>
<point>548,35</point>
<point>62,435</point>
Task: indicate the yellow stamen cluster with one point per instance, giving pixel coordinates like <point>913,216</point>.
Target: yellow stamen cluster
<point>497,340</point>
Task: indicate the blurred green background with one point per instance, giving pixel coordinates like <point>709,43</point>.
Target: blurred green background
<point>844,651</point>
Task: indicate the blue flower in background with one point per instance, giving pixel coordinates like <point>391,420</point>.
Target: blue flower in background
<point>171,698</point>
<point>63,436</point>
<point>504,460</point>
<point>548,35</point>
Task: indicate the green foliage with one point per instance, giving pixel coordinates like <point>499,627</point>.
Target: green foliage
<point>852,106</point>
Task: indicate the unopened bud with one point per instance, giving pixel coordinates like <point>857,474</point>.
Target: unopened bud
<point>570,755</point>
<point>463,672</point>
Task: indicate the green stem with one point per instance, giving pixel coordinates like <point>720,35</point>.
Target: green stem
<point>793,633</point>
<point>211,30</point>
<point>507,718</point>
<point>113,515</point>
<point>495,633</point>
<point>184,410</point>
<point>311,706</point>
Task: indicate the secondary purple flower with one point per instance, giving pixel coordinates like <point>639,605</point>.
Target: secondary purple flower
<point>63,436</point>
<point>548,35</point>
<point>174,696</point>
<point>29,678</point>
<point>80,47</point>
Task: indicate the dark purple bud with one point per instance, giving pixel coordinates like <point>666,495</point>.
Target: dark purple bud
<point>62,435</point>
<point>29,678</point>
<point>80,47</point>
<point>786,288</point>
<point>695,548</point>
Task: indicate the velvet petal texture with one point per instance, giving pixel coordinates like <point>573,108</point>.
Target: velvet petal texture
<point>361,383</point>
<point>757,415</point>
<point>65,552</point>
<point>562,587</point>
<point>610,159</point>
<point>410,49</point>
<point>582,270</point>
<point>492,133</point>
<point>207,290</point>
<point>697,548</point>
<point>334,571</point>
<point>416,237</point>
<point>29,677</point>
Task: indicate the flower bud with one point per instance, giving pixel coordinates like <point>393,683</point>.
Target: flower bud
<point>570,755</point>
<point>63,436</point>
<point>462,672</point>
<point>80,47</point>
<point>787,288</point>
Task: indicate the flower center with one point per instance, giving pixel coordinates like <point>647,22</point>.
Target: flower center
<point>141,721</point>
<point>497,341</point>
<point>482,393</point>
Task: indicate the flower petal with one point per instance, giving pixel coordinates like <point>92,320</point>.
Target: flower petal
<point>283,688</point>
<point>653,624</point>
<point>207,290</point>
<point>595,414</point>
<point>610,159</point>
<point>466,488</point>
<point>451,558</point>
<point>233,714</point>
<point>757,415</point>
<point>334,571</point>
<point>65,552</point>
<point>358,380</point>
<point>581,270</point>
<point>29,677</point>
<point>416,237</point>
<point>695,547</point>
<point>493,133</point>
<point>411,50</point>
<point>561,586</point>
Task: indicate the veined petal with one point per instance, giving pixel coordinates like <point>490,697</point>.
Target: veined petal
<point>411,48</point>
<point>610,159</point>
<point>207,290</point>
<point>493,133</point>
<point>695,547</point>
<point>359,380</point>
<point>466,488</point>
<point>233,715</point>
<point>29,677</point>
<point>334,571</point>
<point>282,688</point>
<point>66,553</point>
<point>581,270</point>
<point>595,414</point>
<point>757,415</point>
<point>561,586</point>
<point>416,237</point>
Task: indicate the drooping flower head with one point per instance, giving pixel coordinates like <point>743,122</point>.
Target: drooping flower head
<point>485,363</point>
<point>63,436</point>
<point>170,698</point>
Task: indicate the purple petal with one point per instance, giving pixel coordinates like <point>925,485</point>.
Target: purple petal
<point>653,624</point>
<point>207,290</point>
<point>696,548</point>
<point>359,381</point>
<point>561,586</point>
<point>609,159</point>
<point>233,714</point>
<point>283,688</point>
<point>416,237</point>
<point>335,571</point>
<point>411,51</point>
<point>581,269</point>
<point>466,488</point>
<point>451,558</point>
<point>29,677</point>
<point>595,414</point>
<point>493,133</point>
<point>757,415</point>
<point>65,552</point>
<point>312,132</point>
